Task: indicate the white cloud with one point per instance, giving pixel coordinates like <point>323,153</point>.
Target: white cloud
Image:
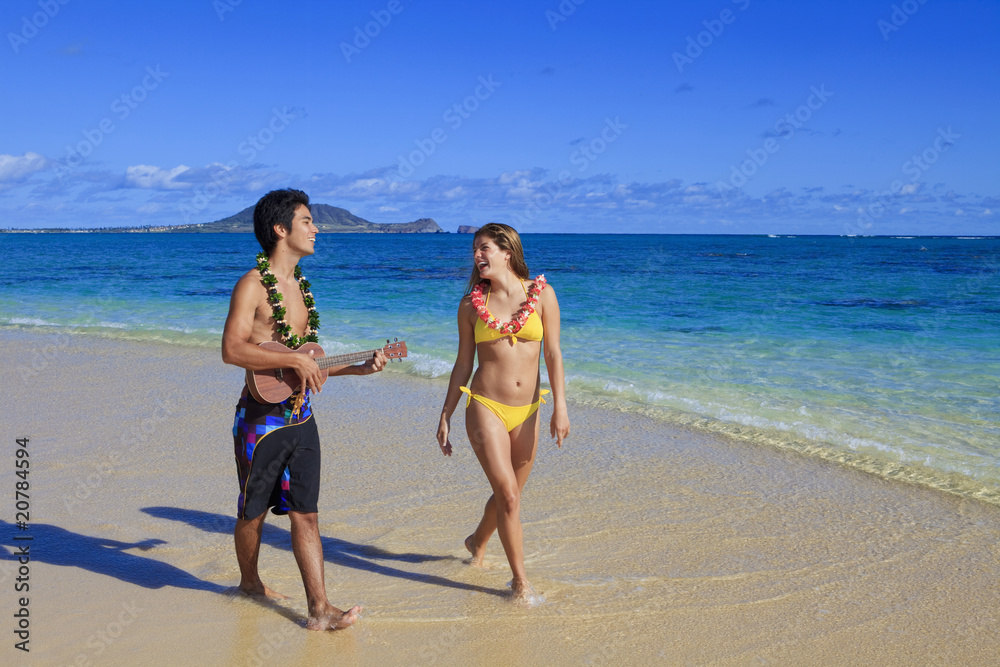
<point>14,168</point>
<point>514,176</point>
<point>148,177</point>
<point>529,198</point>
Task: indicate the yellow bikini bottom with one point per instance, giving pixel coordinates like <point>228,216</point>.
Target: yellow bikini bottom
<point>512,416</point>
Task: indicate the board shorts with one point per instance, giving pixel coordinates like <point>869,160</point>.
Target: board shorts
<point>277,457</point>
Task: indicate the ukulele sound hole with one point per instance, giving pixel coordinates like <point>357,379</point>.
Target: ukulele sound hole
<point>278,374</point>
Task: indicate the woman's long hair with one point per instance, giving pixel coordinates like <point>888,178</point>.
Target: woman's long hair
<point>508,240</point>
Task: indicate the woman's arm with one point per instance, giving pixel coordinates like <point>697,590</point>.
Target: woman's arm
<point>559,425</point>
<point>460,372</point>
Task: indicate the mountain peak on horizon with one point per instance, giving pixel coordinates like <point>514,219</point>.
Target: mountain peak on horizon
<point>327,218</point>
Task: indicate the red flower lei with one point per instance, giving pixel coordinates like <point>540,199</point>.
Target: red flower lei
<point>520,317</point>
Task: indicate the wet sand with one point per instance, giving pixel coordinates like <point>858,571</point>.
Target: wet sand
<point>651,544</point>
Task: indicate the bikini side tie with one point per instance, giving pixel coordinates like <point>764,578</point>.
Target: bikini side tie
<point>468,400</point>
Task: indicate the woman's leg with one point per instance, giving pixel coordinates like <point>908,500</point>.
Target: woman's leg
<point>506,459</point>
<point>522,459</point>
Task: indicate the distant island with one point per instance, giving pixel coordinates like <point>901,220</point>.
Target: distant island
<point>329,219</point>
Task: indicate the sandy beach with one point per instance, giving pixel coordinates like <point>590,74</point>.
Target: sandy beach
<point>650,544</point>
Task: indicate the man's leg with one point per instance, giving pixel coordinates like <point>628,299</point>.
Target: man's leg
<point>247,538</point>
<point>309,556</point>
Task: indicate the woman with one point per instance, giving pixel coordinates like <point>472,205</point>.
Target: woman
<point>502,318</point>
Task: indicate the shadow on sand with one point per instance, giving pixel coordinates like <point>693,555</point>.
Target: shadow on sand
<point>335,551</point>
<point>58,546</point>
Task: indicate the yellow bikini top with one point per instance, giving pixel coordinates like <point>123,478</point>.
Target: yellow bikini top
<point>532,329</point>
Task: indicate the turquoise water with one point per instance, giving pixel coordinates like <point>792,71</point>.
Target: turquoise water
<point>880,353</point>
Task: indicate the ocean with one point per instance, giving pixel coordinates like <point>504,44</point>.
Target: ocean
<point>878,353</point>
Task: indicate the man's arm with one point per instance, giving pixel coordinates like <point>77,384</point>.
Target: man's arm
<point>373,365</point>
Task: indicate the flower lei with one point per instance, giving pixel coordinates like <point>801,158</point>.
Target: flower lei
<point>274,298</point>
<point>513,326</point>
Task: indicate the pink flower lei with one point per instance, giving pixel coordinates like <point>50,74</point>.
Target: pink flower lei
<point>520,317</point>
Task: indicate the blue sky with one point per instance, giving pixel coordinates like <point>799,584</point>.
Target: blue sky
<point>716,116</point>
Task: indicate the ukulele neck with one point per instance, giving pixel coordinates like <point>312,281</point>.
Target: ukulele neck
<point>344,359</point>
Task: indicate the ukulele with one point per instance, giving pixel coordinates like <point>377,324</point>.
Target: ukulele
<point>276,384</point>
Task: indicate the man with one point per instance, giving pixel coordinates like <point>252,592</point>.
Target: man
<point>277,445</point>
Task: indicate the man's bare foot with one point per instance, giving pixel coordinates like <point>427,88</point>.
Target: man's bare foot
<point>331,618</point>
<point>259,590</point>
<point>475,560</point>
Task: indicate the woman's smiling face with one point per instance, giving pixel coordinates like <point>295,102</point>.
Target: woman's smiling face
<point>488,257</point>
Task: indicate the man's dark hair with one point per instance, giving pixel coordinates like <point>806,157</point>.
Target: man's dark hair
<point>277,207</point>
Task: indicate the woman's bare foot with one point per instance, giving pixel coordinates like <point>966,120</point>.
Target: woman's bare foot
<point>522,594</point>
<point>331,618</point>
<point>476,560</point>
<point>259,590</point>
